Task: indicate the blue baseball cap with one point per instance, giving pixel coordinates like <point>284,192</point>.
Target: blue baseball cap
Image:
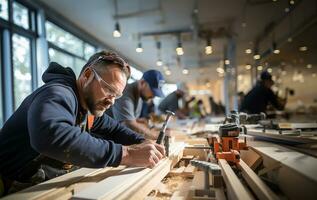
<point>155,80</point>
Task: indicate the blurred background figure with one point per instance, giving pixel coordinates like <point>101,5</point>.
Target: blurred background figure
<point>261,95</point>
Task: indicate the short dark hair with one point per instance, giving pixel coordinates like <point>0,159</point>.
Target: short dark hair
<point>103,59</point>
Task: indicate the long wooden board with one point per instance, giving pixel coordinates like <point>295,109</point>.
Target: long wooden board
<point>256,184</point>
<point>128,183</point>
<point>235,189</point>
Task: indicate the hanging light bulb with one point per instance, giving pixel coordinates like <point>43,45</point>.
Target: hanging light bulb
<point>159,62</point>
<point>275,49</point>
<point>260,68</point>
<point>248,66</point>
<point>248,51</point>
<point>116,33</point>
<point>179,49</point>
<point>256,55</point>
<point>139,49</point>
<point>168,72</point>
<point>208,48</point>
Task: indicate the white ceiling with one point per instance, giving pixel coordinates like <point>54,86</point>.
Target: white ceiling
<point>97,18</point>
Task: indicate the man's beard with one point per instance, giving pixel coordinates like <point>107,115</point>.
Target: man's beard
<point>96,108</point>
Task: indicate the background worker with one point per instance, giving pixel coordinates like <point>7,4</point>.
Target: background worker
<point>261,95</point>
<point>171,102</point>
<point>50,125</point>
<point>127,109</point>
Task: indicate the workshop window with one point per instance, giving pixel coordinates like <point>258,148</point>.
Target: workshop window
<point>67,49</point>
<point>21,15</point>
<point>89,50</point>
<point>4,14</point>
<point>21,68</point>
<point>64,40</point>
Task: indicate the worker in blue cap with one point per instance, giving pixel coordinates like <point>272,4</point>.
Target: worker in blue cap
<point>127,109</point>
<point>261,95</point>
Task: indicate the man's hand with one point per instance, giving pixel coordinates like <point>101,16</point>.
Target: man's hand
<point>146,154</point>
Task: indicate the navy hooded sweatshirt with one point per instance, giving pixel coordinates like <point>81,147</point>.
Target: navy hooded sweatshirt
<point>46,123</point>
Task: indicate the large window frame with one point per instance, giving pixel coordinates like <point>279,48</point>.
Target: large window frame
<point>8,28</point>
<point>72,55</point>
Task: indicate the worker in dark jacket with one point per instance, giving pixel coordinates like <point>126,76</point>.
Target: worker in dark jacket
<point>51,123</point>
<point>261,95</point>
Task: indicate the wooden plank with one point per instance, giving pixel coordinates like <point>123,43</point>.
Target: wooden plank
<point>153,178</point>
<point>176,171</point>
<point>296,172</point>
<point>127,184</point>
<point>189,171</point>
<point>67,192</point>
<point>42,189</point>
<point>235,188</point>
<point>251,158</point>
<point>255,183</point>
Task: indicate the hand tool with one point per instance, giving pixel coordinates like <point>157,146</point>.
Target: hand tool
<point>163,129</point>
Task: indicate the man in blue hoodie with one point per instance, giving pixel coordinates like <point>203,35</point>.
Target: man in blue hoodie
<point>51,123</point>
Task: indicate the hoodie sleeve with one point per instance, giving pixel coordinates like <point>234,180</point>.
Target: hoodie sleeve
<point>109,129</point>
<point>53,132</point>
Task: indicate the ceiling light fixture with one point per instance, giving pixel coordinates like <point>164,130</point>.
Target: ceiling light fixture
<point>227,62</point>
<point>270,70</point>
<point>309,66</point>
<point>248,51</point>
<point>275,49</point>
<point>185,71</point>
<point>303,48</point>
<point>256,55</point>
<point>159,61</point>
<point>248,66</point>
<point>220,70</point>
<point>139,49</point>
<point>260,68</point>
<point>168,72</point>
<point>208,48</point>
<point>179,49</point>
<point>117,32</point>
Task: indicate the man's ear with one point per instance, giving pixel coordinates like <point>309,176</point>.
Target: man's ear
<point>88,75</point>
<point>143,83</point>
